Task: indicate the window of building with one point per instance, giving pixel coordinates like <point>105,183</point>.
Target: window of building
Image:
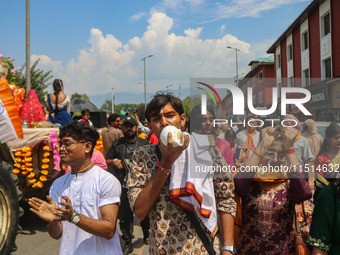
<point>254,100</point>
<point>260,76</point>
<point>278,61</point>
<point>327,65</point>
<point>290,52</point>
<point>261,97</point>
<point>326,25</point>
<point>304,41</point>
<point>306,80</point>
<point>254,82</point>
<point>291,81</point>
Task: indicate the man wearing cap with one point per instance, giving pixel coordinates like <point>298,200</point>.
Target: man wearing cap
<point>119,159</point>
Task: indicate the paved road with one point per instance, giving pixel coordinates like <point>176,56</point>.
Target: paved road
<point>34,239</point>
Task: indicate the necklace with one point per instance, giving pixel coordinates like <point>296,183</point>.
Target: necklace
<point>85,169</point>
<point>333,155</point>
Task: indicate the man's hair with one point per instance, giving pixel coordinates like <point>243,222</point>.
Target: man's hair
<point>84,111</point>
<point>161,99</point>
<point>80,131</point>
<point>112,118</point>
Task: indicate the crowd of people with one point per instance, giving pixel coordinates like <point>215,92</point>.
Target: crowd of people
<point>248,209</point>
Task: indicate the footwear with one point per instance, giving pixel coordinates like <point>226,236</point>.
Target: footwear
<point>128,248</point>
<point>146,241</point>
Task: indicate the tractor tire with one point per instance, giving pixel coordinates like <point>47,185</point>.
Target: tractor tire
<point>9,209</point>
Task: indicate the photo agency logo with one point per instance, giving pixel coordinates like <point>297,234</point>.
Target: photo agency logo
<point>268,101</point>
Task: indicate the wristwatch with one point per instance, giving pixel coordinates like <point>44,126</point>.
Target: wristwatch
<point>230,248</point>
<point>75,218</point>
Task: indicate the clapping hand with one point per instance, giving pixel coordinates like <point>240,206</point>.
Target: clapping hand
<point>66,212</point>
<point>44,210</point>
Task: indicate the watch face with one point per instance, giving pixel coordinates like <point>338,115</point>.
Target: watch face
<point>76,218</point>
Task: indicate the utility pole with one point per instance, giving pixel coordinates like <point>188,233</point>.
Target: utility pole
<point>236,50</point>
<point>180,87</point>
<point>28,54</point>
<point>113,102</point>
<point>143,59</point>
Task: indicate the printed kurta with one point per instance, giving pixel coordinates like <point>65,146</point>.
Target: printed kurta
<point>171,230</point>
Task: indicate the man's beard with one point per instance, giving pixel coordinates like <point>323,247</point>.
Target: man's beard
<point>133,135</point>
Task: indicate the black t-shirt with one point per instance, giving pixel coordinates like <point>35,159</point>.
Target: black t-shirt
<point>124,150</point>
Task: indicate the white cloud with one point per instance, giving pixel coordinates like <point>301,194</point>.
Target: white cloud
<point>108,62</point>
<point>248,8</point>
<point>217,10</point>
<point>137,16</point>
<point>222,29</point>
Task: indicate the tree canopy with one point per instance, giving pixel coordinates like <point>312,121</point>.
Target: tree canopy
<point>76,95</point>
<point>40,79</point>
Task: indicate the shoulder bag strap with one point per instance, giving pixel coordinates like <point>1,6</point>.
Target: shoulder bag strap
<point>200,232</point>
<point>191,216</point>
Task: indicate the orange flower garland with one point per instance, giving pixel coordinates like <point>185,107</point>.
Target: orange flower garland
<point>99,144</point>
<point>24,166</point>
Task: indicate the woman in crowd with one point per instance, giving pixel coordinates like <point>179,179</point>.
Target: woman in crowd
<point>329,157</point>
<point>237,151</point>
<point>204,124</point>
<point>330,150</point>
<point>268,198</point>
<point>324,235</point>
<point>58,104</point>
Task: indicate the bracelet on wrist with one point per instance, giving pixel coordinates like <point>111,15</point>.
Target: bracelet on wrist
<point>164,170</point>
<point>114,160</point>
<point>289,151</point>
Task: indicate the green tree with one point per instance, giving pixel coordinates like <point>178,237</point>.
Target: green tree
<point>39,79</point>
<point>106,106</point>
<point>80,96</point>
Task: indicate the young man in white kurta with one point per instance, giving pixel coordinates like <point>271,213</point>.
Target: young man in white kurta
<point>88,192</point>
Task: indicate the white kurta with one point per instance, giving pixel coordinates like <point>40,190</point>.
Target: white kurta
<point>88,192</point>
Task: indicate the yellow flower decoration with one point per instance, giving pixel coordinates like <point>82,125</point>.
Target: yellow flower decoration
<point>29,169</point>
<point>23,167</point>
<point>46,154</point>
<point>32,181</point>
<point>28,164</point>
<point>45,166</point>
<point>40,184</point>
<point>45,160</point>
<point>31,175</point>
<point>28,154</point>
<point>17,165</point>
<point>24,172</point>
<point>29,159</point>
<point>44,172</point>
<point>18,160</point>
<point>16,171</point>
<point>26,149</point>
<point>43,178</point>
<point>17,153</point>
<point>46,148</point>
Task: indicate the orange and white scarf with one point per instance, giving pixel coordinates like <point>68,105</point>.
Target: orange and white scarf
<point>249,143</point>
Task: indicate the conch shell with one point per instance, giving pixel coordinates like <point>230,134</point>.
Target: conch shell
<point>177,136</point>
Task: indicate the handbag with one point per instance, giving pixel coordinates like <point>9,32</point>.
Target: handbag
<point>301,234</point>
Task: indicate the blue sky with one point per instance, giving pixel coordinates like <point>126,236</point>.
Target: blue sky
<point>94,45</point>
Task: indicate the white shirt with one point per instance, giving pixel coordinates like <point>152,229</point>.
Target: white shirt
<point>88,192</point>
<point>143,129</point>
<point>303,150</point>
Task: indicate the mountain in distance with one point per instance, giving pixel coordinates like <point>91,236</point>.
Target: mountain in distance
<point>131,98</point>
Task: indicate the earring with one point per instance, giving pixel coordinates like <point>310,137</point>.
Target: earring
<point>86,151</point>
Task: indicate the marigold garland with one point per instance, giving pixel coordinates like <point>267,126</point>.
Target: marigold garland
<point>99,144</point>
<point>24,166</point>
